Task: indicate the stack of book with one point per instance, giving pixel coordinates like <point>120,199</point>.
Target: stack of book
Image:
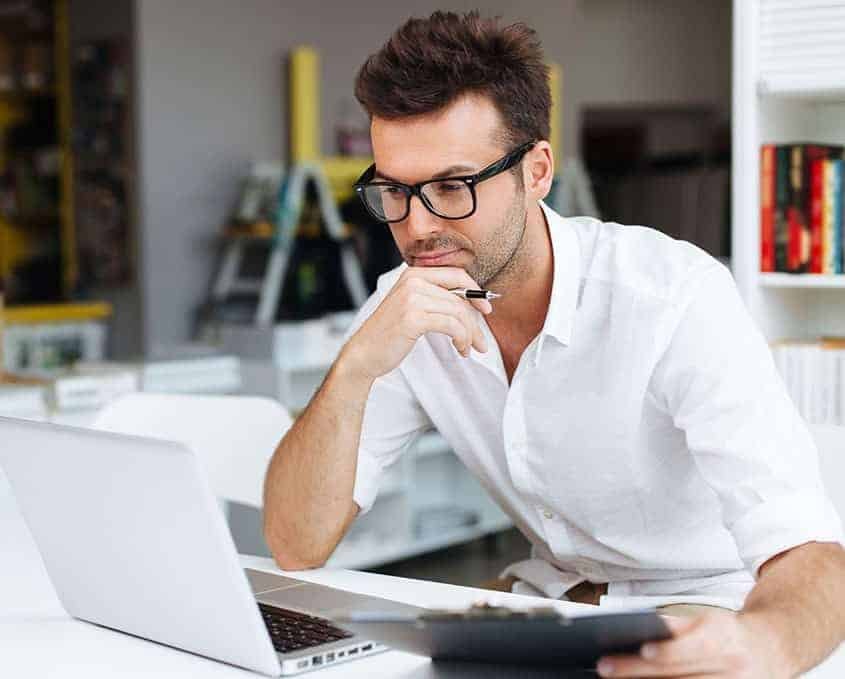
<point>189,369</point>
<point>814,373</point>
<point>77,389</point>
<point>801,208</point>
<point>73,392</point>
<point>22,400</point>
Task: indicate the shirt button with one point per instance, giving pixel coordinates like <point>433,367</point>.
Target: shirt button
<point>548,514</point>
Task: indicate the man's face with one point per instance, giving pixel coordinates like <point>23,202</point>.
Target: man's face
<point>459,140</point>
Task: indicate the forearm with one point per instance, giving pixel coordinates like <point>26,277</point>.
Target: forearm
<point>800,599</point>
<point>308,488</point>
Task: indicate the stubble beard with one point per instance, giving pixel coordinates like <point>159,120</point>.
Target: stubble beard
<point>501,258</point>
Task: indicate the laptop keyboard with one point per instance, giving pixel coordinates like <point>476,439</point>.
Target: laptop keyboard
<point>292,631</point>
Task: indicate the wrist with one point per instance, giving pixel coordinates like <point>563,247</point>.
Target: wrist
<point>350,370</point>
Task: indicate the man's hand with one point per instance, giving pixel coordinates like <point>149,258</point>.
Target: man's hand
<point>711,646</point>
<point>419,303</point>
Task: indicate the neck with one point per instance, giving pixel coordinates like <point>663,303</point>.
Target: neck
<point>526,283</point>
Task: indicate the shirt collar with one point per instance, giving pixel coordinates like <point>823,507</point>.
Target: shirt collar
<point>566,282</point>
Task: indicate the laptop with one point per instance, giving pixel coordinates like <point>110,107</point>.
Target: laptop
<point>133,539</point>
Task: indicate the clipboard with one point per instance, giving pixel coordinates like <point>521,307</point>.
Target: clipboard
<point>494,634</point>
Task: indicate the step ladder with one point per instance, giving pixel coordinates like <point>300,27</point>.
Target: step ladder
<point>277,249</point>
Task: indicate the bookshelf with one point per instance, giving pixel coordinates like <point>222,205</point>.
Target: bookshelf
<point>38,216</point>
<point>789,86</point>
<point>787,280</point>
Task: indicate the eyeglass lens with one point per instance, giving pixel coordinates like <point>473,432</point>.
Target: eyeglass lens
<point>447,198</point>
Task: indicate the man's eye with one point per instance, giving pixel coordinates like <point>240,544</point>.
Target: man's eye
<point>450,187</point>
<point>391,190</point>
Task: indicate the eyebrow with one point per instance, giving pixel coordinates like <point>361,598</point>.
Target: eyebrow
<point>450,171</point>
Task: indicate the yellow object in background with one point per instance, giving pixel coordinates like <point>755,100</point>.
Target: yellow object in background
<point>14,247</point>
<point>57,313</point>
<point>13,244</point>
<point>341,173</point>
<point>304,95</point>
<point>304,105</point>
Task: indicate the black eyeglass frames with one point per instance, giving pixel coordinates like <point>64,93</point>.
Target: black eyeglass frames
<point>449,198</point>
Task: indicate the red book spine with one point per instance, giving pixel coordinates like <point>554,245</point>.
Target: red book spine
<point>767,208</point>
<point>816,214</point>
<point>793,217</point>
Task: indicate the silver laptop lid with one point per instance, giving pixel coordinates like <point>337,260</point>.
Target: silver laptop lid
<point>134,540</point>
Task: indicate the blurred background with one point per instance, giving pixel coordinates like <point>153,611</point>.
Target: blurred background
<point>129,128</point>
<point>176,212</point>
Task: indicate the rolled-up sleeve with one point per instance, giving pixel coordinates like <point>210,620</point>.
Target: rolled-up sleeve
<point>718,381</point>
<point>393,417</point>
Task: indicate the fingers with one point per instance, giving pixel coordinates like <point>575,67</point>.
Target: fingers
<point>472,335</point>
<point>426,313</point>
<point>699,646</point>
<point>420,295</point>
<point>482,305</point>
<point>444,276</point>
<point>448,277</point>
<point>632,666</point>
<point>709,635</point>
<point>449,325</point>
<point>449,303</point>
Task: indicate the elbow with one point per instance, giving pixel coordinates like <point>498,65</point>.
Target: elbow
<point>297,548</point>
<point>288,558</point>
<point>291,562</point>
<point>288,555</point>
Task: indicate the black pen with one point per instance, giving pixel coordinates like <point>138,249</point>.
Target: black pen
<point>466,293</point>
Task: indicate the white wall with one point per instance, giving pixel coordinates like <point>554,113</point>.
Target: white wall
<point>649,52</point>
<point>211,99</point>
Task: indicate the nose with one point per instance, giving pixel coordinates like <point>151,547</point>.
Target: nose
<point>420,222</point>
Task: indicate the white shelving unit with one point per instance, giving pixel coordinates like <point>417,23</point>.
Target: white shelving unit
<point>785,280</point>
<point>789,86</point>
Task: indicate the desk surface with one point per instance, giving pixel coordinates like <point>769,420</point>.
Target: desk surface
<point>39,639</point>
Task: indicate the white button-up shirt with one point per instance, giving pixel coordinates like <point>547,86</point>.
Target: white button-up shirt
<point>646,439</point>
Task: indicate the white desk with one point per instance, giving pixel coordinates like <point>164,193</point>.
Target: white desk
<point>38,639</point>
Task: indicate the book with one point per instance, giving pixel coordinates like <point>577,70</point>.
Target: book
<point>187,369</point>
<point>830,240</point>
<point>838,205</point>
<point>839,386</point>
<point>22,400</point>
<point>813,372</point>
<point>835,348</point>
<point>768,160</point>
<point>799,210</point>
<point>781,205</point>
<point>817,191</point>
<point>86,389</point>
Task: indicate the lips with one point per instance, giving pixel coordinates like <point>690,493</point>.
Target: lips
<point>433,258</point>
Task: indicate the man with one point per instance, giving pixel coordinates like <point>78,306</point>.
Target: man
<point>617,400</point>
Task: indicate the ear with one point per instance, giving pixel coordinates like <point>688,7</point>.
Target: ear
<point>538,169</point>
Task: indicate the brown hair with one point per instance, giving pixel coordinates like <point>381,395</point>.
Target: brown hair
<point>427,64</point>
